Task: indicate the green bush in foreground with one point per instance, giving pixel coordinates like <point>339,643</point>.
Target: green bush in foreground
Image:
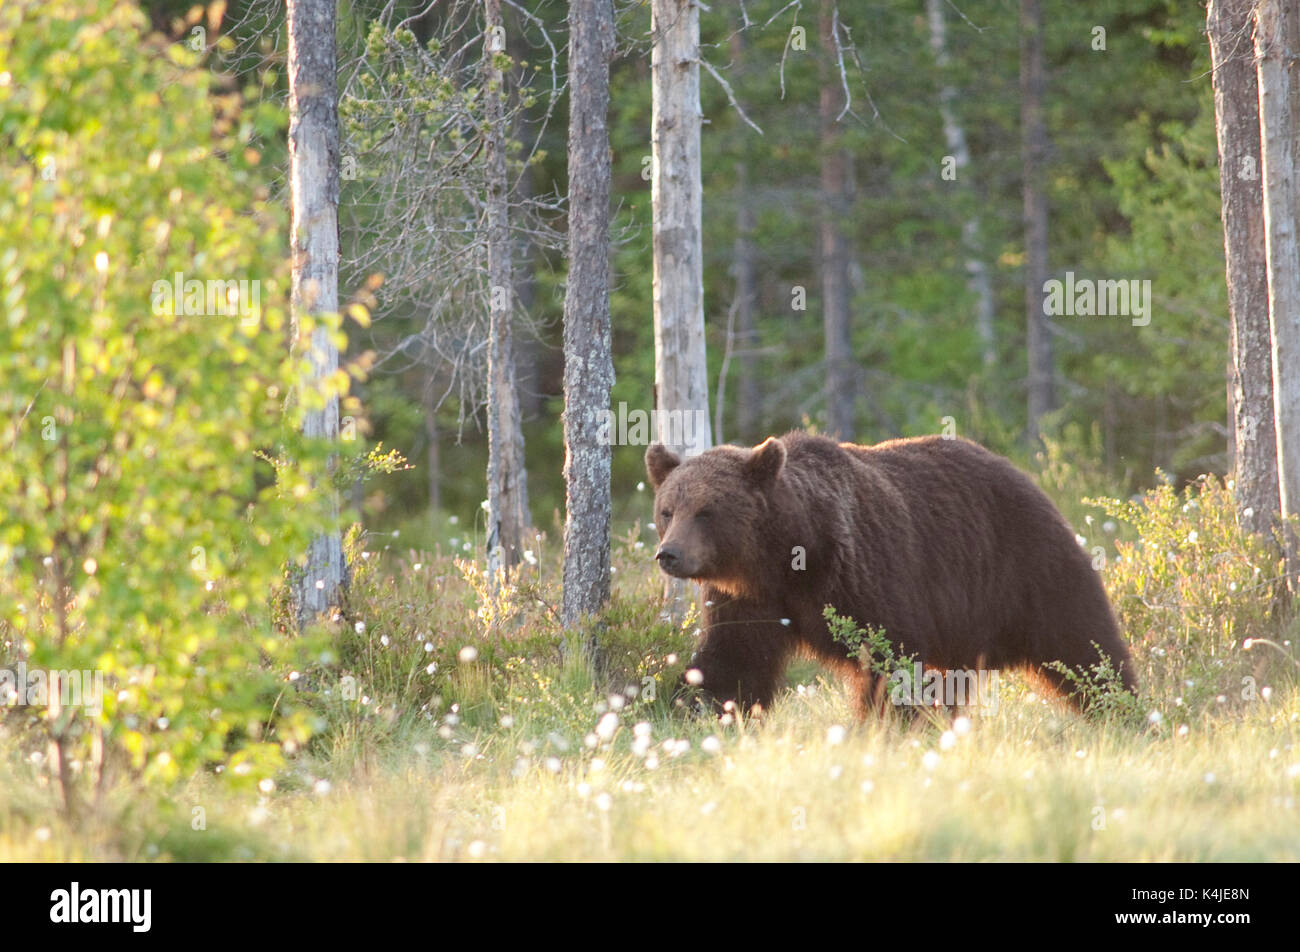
<point>142,535</point>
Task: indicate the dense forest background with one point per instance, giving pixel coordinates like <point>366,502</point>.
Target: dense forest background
<point>1130,176</point>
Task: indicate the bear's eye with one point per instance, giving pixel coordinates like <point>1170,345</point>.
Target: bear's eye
<point>704,514</point>
<point>665,517</point>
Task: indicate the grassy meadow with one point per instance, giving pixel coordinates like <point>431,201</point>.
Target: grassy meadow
<point>454,724</point>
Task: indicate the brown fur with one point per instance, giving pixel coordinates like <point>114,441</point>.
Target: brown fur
<point>950,549</point>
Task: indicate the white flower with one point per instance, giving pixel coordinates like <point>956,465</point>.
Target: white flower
<point>607,725</point>
<point>468,654</point>
<point>711,745</point>
<point>930,760</point>
<point>835,735</point>
<point>961,726</point>
<point>694,676</point>
<point>1154,717</point>
<point>948,740</point>
<point>603,802</point>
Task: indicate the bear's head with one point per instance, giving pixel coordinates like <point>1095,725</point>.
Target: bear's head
<point>710,509</point>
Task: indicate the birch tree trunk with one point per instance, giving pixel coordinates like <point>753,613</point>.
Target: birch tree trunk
<point>507,480</point>
<point>977,271</point>
<point>1042,383</point>
<point>1274,47</point>
<point>314,187</point>
<point>1250,378</point>
<point>681,371</point>
<point>746,338</point>
<point>841,376</point>
<point>588,365</point>
<point>681,368</point>
<point>433,453</point>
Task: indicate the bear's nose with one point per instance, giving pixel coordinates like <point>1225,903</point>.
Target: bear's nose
<point>667,557</point>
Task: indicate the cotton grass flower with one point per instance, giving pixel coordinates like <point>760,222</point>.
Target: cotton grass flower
<point>606,727</point>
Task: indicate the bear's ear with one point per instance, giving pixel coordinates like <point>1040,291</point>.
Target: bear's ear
<point>659,462</point>
<point>765,461</point>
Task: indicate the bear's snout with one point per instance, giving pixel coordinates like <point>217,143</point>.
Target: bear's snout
<point>670,560</point>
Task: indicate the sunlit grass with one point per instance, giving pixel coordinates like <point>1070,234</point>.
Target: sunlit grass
<point>471,734</point>
<point>1030,782</point>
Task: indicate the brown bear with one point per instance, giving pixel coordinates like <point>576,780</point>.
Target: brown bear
<point>955,554</point>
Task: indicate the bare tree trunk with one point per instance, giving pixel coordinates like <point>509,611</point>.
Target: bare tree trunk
<point>681,367</point>
<point>841,375</point>
<point>527,373</point>
<point>979,279</point>
<point>588,365</point>
<point>314,184</point>
<point>681,371</point>
<point>1042,382</point>
<point>748,395</point>
<point>526,344</point>
<point>1274,49</point>
<point>433,455</point>
<point>507,479</point>
<point>1250,385</point>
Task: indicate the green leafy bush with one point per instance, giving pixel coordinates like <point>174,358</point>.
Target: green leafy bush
<point>1193,591</point>
<point>145,361</point>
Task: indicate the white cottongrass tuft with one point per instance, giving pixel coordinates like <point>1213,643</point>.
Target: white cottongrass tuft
<point>606,727</point>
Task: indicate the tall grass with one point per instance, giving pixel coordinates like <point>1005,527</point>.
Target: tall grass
<point>452,725</point>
